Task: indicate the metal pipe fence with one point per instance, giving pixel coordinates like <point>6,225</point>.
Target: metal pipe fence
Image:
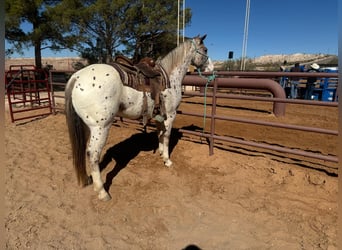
<point>61,83</point>
<point>222,81</point>
<point>214,95</point>
<point>27,90</point>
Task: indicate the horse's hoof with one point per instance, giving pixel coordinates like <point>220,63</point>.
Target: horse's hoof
<point>168,163</point>
<point>104,196</point>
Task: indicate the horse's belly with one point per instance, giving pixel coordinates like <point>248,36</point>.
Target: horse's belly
<point>132,104</point>
<point>130,110</point>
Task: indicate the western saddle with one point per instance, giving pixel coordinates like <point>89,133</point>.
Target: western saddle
<point>144,76</point>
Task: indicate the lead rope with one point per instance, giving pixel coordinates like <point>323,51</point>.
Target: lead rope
<point>209,80</point>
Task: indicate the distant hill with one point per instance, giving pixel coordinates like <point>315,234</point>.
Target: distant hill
<point>293,58</point>
<point>277,60</point>
<point>68,63</point>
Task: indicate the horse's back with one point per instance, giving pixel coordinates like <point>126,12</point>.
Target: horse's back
<point>97,75</point>
<point>96,93</point>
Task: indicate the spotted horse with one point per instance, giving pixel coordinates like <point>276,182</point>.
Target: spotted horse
<point>95,95</point>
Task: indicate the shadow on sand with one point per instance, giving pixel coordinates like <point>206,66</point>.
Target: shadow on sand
<point>126,150</point>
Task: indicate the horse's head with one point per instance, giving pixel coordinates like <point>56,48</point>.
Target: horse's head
<point>200,57</point>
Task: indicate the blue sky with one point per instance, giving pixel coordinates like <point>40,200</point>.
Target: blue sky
<point>275,27</point>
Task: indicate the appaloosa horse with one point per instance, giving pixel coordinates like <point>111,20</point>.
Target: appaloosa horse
<point>95,95</point>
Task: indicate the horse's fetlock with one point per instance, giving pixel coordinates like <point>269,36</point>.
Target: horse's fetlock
<point>97,188</point>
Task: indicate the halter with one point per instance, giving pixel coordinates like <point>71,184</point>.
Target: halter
<point>199,52</point>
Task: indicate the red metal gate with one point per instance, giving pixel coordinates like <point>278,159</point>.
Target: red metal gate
<point>28,92</point>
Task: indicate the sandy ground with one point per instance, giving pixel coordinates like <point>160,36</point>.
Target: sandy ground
<point>238,198</point>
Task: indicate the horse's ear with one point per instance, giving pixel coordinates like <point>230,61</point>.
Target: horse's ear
<point>203,37</point>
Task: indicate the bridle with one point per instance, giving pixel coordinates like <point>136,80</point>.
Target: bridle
<point>199,52</point>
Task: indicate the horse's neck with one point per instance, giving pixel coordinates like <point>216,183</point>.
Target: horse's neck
<point>179,69</point>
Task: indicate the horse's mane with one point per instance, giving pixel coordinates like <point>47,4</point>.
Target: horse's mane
<point>173,58</point>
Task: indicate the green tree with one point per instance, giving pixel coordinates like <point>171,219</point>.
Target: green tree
<point>97,29</point>
<point>28,24</point>
<point>94,26</point>
<point>151,27</point>
<point>135,28</point>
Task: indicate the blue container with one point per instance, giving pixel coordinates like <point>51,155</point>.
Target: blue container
<point>329,87</point>
<point>328,95</point>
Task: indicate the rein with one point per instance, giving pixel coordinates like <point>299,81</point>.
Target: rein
<point>209,80</point>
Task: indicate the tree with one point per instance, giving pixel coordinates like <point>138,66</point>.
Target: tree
<point>58,24</point>
<point>97,29</point>
<point>135,28</point>
<point>104,29</point>
<point>33,13</point>
<point>151,27</point>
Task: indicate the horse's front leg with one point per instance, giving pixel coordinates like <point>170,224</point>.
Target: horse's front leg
<point>164,139</point>
<point>98,137</point>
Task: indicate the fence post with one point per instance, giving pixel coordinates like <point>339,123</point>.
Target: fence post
<point>213,115</point>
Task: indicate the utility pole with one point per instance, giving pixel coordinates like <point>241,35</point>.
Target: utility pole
<point>178,21</point>
<point>245,36</point>
<point>178,11</point>
<point>183,20</point>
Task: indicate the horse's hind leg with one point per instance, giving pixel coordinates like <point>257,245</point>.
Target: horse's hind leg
<point>97,140</point>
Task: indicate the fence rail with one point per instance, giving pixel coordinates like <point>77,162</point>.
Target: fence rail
<point>201,82</point>
<point>222,81</point>
<point>28,91</point>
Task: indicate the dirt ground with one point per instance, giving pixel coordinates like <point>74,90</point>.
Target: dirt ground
<point>239,198</point>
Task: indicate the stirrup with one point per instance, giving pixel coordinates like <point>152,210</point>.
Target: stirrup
<point>159,118</point>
